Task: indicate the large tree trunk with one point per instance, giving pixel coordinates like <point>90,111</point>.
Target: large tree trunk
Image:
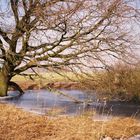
<point>5,77</point>
<point>3,83</point>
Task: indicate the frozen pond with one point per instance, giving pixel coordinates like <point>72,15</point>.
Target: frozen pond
<point>43,101</point>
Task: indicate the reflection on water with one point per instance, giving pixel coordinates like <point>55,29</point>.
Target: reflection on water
<point>45,102</point>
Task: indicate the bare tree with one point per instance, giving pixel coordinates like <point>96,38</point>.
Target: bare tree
<point>55,33</point>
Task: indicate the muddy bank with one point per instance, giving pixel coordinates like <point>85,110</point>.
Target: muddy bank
<point>31,85</point>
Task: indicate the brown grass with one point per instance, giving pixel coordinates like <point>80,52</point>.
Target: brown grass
<point>121,82</point>
<point>16,124</point>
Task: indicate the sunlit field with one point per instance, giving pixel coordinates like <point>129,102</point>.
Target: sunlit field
<point>48,77</point>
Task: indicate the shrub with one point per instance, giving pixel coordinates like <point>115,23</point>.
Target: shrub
<point>122,81</point>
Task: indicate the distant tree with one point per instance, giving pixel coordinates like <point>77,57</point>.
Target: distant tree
<point>55,33</point>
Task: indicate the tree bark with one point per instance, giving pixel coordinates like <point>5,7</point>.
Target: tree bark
<point>3,83</point>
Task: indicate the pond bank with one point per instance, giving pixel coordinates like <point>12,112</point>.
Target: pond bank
<point>33,85</point>
<point>18,124</point>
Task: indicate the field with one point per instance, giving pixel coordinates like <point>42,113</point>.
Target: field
<point>49,80</point>
<point>48,76</point>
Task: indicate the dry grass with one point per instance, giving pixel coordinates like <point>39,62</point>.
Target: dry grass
<point>121,82</point>
<point>16,124</point>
